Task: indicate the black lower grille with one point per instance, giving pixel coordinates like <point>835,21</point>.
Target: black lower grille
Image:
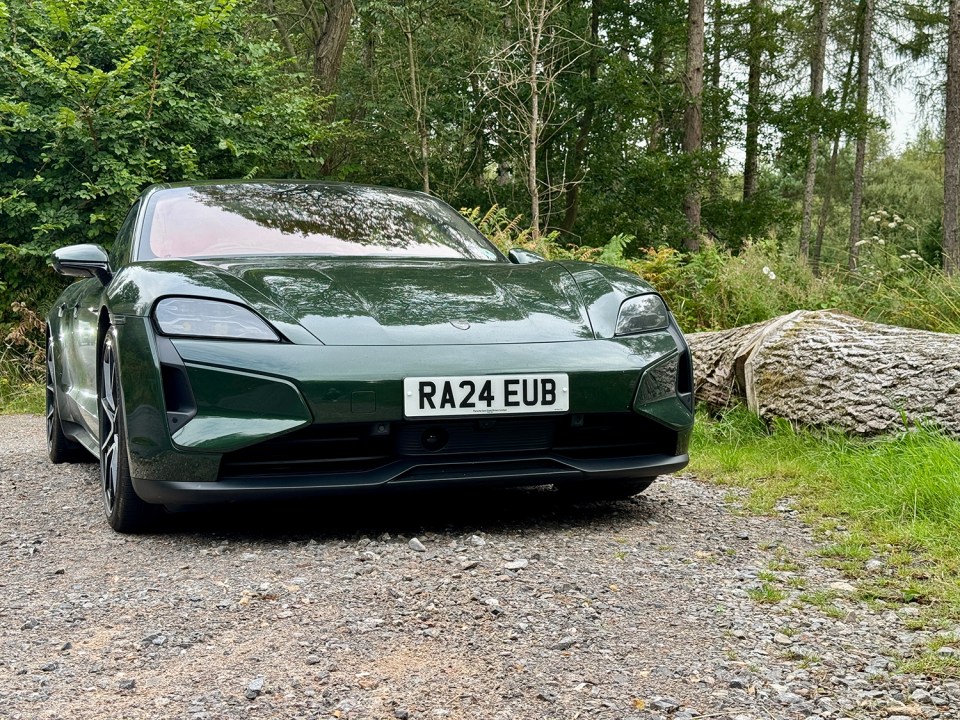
<point>473,436</point>
<point>321,449</point>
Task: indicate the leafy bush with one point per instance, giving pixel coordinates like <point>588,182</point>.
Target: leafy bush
<point>101,98</point>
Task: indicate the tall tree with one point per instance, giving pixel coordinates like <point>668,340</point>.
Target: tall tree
<point>318,29</point>
<point>951,145</point>
<point>693,119</point>
<point>863,94</point>
<point>524,76</point>
<point>715,91</point>
<point>578,155</point>
<point>831,175</point>
<point>751,162</point>
<point>818,49</point>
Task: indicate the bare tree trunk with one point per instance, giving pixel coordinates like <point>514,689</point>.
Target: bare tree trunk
<point>534,139</point>
<point>863,93</point>
<point>832,169</point>
<point>951,144</point>
<point>817,54</point>
<point>693,120</point>
<point>657,52</point>
<point>832,370</point>
<point>417,104</point>
<point>572,201</point>
<point>716,134</point>
<point>754,57</point>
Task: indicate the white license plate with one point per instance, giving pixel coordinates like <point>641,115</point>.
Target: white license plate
<point>485,395</point>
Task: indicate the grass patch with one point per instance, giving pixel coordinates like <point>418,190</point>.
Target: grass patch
<point>767,593</point>
<point>20,389</point>
<point>896,498</point>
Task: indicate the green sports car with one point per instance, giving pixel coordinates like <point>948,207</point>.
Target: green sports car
<point>278,339</point>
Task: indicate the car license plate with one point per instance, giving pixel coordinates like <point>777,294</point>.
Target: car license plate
<point>485,395</point>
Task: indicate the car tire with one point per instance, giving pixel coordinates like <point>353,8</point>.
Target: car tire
<point>124,509</point>
<point>599,490</point>
<point>60,448</point>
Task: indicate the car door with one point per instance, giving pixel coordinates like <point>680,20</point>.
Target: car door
<point>81,320</point>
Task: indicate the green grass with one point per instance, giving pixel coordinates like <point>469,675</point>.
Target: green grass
<point>895,498</point>
<point>19,391</point>
<point>767,593</point>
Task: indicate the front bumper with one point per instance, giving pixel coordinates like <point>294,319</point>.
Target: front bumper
<point>541,470</point>
<point>245,395</point>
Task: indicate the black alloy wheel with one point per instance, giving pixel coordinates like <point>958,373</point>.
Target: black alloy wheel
<point>124,509</point>
<point>60,448</point>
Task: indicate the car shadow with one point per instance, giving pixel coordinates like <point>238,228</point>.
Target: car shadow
<point>445,511</point>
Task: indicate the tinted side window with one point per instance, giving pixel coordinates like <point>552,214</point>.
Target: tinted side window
<point>120,254</point>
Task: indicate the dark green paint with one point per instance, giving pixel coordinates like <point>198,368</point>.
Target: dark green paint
<point>352,329</point>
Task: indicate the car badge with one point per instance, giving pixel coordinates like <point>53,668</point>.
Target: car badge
<point>460,324</point>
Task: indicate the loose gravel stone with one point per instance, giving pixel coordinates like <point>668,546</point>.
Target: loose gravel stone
<point>254,688</point>
<point>415,545</point>
<point>627,610</point>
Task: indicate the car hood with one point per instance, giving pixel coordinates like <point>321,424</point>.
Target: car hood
<point>380,302</point>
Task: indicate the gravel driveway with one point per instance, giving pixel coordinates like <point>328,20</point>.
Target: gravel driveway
<point>496,605</point>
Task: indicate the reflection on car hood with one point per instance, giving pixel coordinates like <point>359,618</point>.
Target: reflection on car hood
<point>388,302</point>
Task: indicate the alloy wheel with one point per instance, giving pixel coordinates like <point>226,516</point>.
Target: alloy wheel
<point>51,397</point>
<point>109,429</point>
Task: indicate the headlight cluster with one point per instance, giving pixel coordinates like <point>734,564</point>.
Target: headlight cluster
<point>194,317</point>
<point>642,313</point>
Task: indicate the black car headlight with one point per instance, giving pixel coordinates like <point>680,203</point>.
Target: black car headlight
<point>642,313</point>
<point>195,317</point>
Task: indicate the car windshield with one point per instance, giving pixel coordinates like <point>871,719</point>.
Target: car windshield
<point>252,219</point>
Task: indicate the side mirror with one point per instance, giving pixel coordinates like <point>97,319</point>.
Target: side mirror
<point>83,261</point>
<point>518,256</point>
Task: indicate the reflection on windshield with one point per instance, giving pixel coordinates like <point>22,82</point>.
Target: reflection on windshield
<point>250,219</point>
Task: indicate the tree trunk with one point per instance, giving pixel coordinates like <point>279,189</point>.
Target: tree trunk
<point>716,109</point>
<point>832,169</point>
<point>817,54</point>
<point>751,160</point>
<point>572,205</point>
<point>693,120</point>
<point>863,92</point>
<point>329,40</point>
<point>534,139</point>
<point>828,369</point>
<point>951,143</point>
<point>418,105</point>
<point>657,53</point>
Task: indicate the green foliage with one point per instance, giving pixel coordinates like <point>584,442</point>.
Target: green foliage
<point>100,98</point>
<point>717,288</point>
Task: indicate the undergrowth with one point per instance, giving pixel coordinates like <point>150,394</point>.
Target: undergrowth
<point>717,288</point>
<point>22,363</point>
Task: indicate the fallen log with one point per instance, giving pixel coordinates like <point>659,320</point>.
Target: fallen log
<point>829,369</point>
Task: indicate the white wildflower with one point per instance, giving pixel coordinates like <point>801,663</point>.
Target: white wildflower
<point>881,241</point>
<point>772,275</point>
<point>909,228</point>
<point>873,218</point>
<point>858,243</point>
<point>891,225</point>
<point>897,218</point>
<point>766,270</point>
